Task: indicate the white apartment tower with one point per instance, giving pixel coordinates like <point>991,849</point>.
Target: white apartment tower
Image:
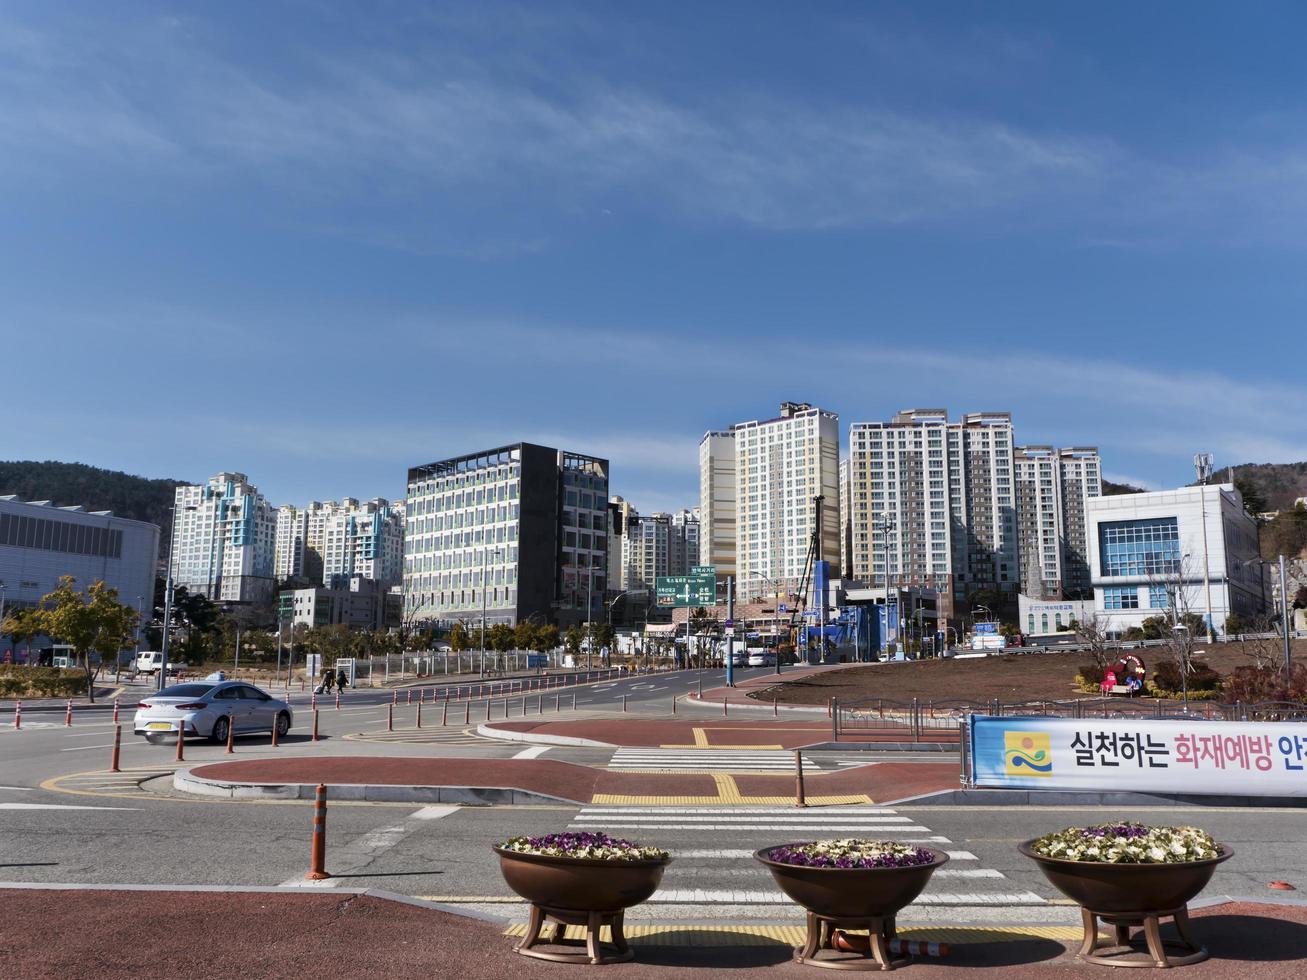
<point>760,519</point>
<point>332,542</point>
<point>658,544</point>
<point>1053,486</point>
<point>224,540</point>
<point>932,502</point>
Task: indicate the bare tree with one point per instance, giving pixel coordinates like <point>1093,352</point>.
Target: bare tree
<point>1180,627</point>
<point>1093,634</point>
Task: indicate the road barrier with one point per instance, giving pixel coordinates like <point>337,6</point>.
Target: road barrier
<point>800,798</point>
<point>444,714</point>
<point>117,746</point>
<point>318,852</point>
<point>409,696</point>
<point>724,703</point>
<point>18,715</point>
<point>275,725</point>
<point>231,734</point>
<point>390,717</point>
<point>181,741</point>
<point>419,724</point>
<point>394,696</point>
<point>313,701</point>
<point>315,724</point>
<point>337,699</point>
<point>467,712</point>
<point>68,717</point>
<point>115,711</point>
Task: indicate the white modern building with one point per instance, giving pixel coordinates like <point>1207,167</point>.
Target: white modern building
<point>931,503</point>
<point>521,529</point>
<point>333,541</point>
<point>1045,617</point>
<point>1174,552</point>
<point>658,544</point>
<point>224,540</point>
<point>1053,486</point>
<point>758,521</point>
<point>40,542</point>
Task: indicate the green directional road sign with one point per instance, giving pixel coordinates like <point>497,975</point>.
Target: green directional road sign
<point>686,590</point>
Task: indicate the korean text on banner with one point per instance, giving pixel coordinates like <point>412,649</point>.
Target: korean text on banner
<point>1173,755</point>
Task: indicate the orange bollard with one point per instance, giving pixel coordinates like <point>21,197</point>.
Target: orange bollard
<point>419,712</point>
<point>673,705</point>
<point>318,855</point>
<point>623,703</point>
<point>337,699</point>
<point>115,711</point>
<point>467,711</point>
<point>117,745</point>
<point>800,798</point>
<point>394,699</point>
<point>723,707</point>
<point>181,740</point>
<point>315,724</point>
<point>390,717</point>
<point>274,732</point>
<point>313,701</point>
<point>18,715</point>
<point>444,714</point>
<point>68,717</point>
<point>231,734</point>
<point>775,709</point>
<point>409,693</point>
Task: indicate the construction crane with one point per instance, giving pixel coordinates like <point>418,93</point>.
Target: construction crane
<point>809,567</point>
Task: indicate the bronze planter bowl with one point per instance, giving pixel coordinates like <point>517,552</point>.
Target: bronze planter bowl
<point>579,891</point>
<point>851,898</point>
<point>1130,894</point>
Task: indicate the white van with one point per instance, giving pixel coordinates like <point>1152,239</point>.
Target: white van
<point>149,662</point>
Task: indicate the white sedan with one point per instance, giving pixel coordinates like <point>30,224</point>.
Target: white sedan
<point>207,709</point>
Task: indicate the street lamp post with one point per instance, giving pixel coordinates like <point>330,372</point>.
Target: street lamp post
<point>589,606</point>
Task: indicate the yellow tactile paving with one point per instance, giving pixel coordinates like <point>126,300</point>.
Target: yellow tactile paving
<point>744,935</point>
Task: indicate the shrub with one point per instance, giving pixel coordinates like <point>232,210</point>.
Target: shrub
<point>1166,677</point>
<point>1091,674</point>
<point>17,681</point>
<point>1266,684</point>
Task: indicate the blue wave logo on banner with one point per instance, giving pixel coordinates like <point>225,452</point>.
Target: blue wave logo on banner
<point>1028,753</point>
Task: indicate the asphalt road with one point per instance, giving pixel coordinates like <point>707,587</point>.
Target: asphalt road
<point>64,819</point>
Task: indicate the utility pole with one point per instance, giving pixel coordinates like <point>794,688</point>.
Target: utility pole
<point>1203,469</point>
<point>730,633</point>
<point>1284,612</point>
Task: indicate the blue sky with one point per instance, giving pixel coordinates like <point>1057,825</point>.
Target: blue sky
<point>322,242</point>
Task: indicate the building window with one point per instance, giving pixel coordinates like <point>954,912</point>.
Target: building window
<point>1158,597</point>
<point>1120,597</point>
<point>1144,547</point>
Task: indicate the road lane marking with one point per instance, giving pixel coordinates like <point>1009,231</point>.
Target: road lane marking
<point>59,806</point>
<point>19,789</point>
<point>83,748</point>
<point>433,812</point>
<point>533,752</point>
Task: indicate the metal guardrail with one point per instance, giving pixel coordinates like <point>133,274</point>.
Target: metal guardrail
<point>913,718</point>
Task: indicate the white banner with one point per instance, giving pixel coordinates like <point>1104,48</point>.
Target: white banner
<point>1148,755</point>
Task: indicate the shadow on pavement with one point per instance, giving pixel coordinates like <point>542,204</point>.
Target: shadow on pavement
<point>1250,938</point>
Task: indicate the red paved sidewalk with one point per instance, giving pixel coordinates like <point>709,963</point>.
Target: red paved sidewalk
<point>97,933</point>
<point>887,781</point>
<point>719,732</point>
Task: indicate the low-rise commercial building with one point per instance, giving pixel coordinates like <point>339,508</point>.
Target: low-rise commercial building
<point>1174,552</point>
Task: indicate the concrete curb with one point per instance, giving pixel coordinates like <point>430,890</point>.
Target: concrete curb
<point>489,730</point>
<point>1021,797</point>
<point>185,780</point>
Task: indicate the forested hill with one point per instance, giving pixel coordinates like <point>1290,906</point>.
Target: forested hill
<point>133,497</point>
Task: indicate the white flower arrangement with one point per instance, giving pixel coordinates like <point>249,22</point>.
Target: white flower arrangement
<point>586,845</point>
<point>851,852</point>
<point>1128,843</point>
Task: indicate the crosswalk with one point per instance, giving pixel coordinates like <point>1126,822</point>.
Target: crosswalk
<point>713,853</point>
<point>640,759</point>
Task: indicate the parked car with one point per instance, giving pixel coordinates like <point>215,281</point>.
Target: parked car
<point>762,658</point>
<point>206,709</point>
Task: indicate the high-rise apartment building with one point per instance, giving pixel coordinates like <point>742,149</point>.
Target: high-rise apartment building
<point>717,501</point>
<point>758,516</point>
<point>932,502</point>
<point>224,540</point>
<point>334,541</point>
<point>1053,486</point>
<point>521,528</point>
<point>658,544</point>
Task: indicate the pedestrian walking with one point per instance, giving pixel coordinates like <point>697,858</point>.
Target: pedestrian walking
<point>342,679</point>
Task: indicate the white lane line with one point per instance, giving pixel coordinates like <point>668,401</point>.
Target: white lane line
<point>19,789</point>
<point>734,854</point>
<point>969,873</point>
<point>962,856</point>
<point>433,812</point>
<point>702,896</point>
<point>83,748</point>
<point>533,752</point>
<point>816,827</point>
<point>838,811</point>
<point>59,806</point>
<point>771,818</point>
